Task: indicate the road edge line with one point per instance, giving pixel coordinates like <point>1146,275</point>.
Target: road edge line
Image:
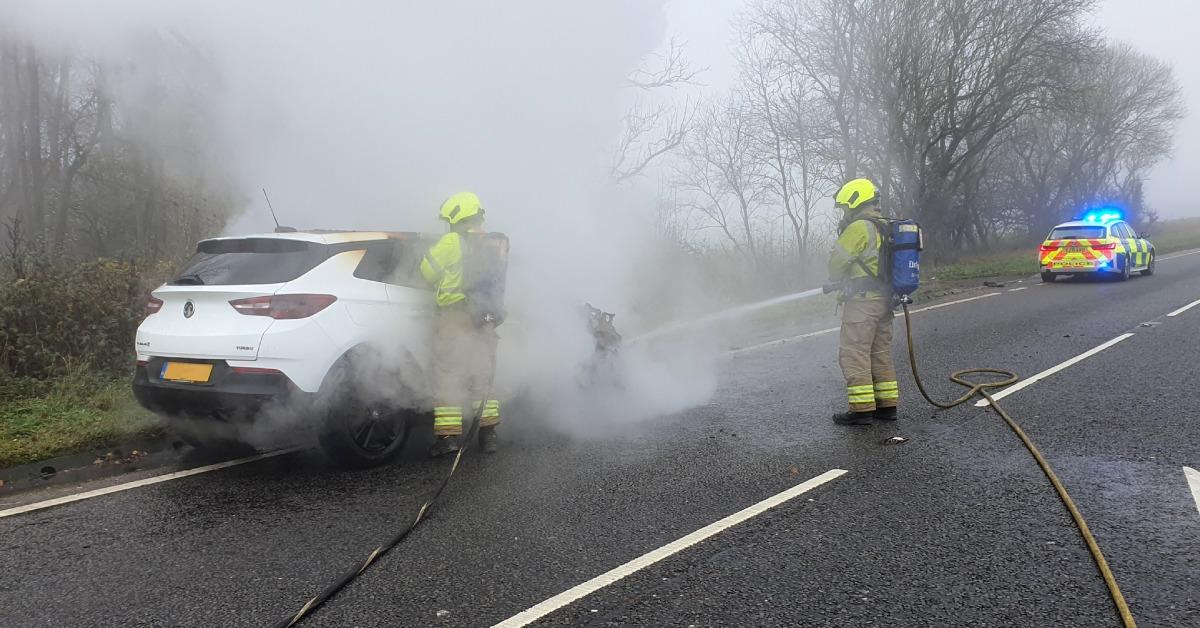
<point>821,332</point>
<point>117,488</point>
<point>1033,379</point>
<point>1177,255</point>
<point>611,576</point>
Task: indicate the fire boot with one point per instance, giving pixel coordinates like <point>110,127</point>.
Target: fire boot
<point>853,418</point>
<point>487,439</point>
<point>444,445</point>
<point>886,414</point>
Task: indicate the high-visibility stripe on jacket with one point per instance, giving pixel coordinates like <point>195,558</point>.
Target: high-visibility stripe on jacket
<point>443,269</point>
<point>859,242</point>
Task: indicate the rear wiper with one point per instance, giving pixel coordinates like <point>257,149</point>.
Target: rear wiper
<point>188,280</point>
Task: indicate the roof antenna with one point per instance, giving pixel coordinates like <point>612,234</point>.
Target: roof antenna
<point>278,228</point>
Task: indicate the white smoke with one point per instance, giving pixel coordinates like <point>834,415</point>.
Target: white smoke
<point>368,114</point>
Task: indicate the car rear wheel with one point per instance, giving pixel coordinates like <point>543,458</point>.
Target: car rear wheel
<point>1048,277</point>
<point>1149,266</point>
<point>1124,274</point>
<point>358,432</point>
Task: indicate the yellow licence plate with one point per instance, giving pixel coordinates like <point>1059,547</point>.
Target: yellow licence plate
<point>190,372</point>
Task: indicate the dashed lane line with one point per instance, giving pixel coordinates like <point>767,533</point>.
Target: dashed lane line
<point>108,490</point>
<point>580,591</point>
<point>1029,381</point>
<point>1185,308</point>
<point>1193,480</point>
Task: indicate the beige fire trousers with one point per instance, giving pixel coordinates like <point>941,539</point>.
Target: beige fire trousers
<point>866,354</point>
<point>463,356</point>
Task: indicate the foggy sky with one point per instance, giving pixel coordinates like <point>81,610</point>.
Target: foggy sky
<point>1162,28</point>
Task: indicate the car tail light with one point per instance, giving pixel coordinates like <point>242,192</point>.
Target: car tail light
<point>1052,246</point>
<point>153,305</point>
<point>284,306</point>
<point>1104,247</point>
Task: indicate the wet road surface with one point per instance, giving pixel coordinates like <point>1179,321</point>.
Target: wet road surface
<point>956,526</point>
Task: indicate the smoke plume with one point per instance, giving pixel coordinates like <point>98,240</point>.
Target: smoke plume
<point>366,115</point>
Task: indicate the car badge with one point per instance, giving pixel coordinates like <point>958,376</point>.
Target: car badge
<point>189,308</point>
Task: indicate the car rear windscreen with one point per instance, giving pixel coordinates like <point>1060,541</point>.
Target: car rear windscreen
<point>249,261</point>
<point>1076,233</point>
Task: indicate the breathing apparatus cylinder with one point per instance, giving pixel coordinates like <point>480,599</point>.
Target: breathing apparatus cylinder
<point>485,269</point>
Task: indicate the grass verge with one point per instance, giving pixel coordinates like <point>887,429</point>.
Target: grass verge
<point>69,416</point>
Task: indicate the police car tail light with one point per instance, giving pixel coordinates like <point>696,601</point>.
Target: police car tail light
<point>1049,247</point>
<point>1105,247</point>
<point>153,305</point>
<point>284,306</point>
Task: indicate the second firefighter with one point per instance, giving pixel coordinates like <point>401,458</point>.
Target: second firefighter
<point>865,353</point>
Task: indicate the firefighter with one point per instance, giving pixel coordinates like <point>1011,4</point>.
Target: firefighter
<point>464,345</point>
<point>865,354</point>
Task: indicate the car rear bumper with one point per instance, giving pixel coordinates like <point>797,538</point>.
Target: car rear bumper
<point>229,395</point>
<point>1075,268</point>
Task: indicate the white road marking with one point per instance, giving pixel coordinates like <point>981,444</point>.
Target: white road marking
<point>1196,252</point>
<point>1193,480</point>
<point>781,341</point>
<point>1029,381</point>
<point>1018,289</point>
<point>949,303</point>
<point>580,591</point>
<point>821,332</point>
<point>66,499</point>
<point>1185,308</point>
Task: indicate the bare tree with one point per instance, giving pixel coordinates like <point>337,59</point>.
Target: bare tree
<point>719,175</point>
<point>1090,146</point>
<point>655,125</point>
<point>103,158</point>
<point>788,137</point>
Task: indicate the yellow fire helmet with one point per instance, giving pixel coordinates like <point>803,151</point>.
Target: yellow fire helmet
<point>856,193</point>
<point>460,207</point>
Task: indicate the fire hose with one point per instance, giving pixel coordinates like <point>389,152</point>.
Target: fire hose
<point>958,377</point>
<point>360,568</point>
<point>981,389</point>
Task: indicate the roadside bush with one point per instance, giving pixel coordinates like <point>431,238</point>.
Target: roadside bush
<point>59,319</point>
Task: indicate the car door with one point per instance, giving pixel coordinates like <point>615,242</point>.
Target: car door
<point>1141,248</point>
<point>1143,245</point>
<point>412,298</point>
<point>1121,232</point>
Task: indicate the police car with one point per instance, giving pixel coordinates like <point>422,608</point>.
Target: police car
<point>1100,243</point>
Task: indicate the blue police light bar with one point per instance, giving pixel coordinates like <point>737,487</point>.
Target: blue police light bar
<point>1103,216</point>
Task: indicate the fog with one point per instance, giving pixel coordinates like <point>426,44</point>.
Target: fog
<point>367,115</point>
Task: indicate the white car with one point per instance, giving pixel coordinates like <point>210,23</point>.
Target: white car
<point>292,331</point>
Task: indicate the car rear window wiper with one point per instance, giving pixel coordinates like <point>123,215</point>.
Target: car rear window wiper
<point>188,280</point>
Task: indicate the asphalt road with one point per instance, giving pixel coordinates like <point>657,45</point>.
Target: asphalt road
<point>956,526</point>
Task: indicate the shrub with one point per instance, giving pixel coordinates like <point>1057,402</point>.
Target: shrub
<point>61,318</point>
